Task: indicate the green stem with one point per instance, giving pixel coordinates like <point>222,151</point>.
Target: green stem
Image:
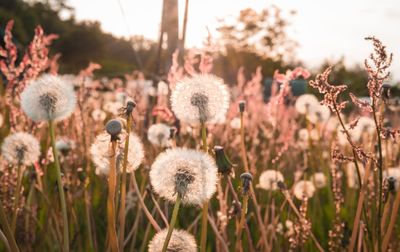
<point>204,220</point>
<point>242,221</point>
<point>16,199</point>
<point>7,230</point>
<point>243,144</point>
<point>60,187</point>
<point>123,187</point>
<point>172,223</point>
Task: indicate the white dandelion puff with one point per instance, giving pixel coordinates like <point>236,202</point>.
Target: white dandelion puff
<point>20,149</point>
<point>99,115</point>
<point>188,173</point>
<point>180,241</point>
<point>64,145</point>
<point>235,123</point>
<point>305,103</point>
<point>100,152</point>
<point>393,173</point>
<point>303,189</point>
<point>159,135</point>
<point>319,114</point>
<point>269,180</point>
<point>48,98</point>
<point>319,179</point>
<point>200,99</point>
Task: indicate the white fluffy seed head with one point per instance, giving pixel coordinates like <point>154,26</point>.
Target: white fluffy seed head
<point>319,114</point>
<point>100,152</point>
<point>303,189</point>
<point>181,241</point>
<point>200,99</point>
<point>269,180</point>
<point>319,179</point>
<point>20,149</point>
<point>306,103</point>
<point>48,98</point>
<point>159,135</point>
<point>191,174</point>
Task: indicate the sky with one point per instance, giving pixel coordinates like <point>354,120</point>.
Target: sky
<point>324,29</point>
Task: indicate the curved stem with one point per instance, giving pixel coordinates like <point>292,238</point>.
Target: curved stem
<point>143,205</point>
<point>204,220</point>
<point>7,230</point>
<point>121,233</point>
<point>60,187</point>
<point>172,223</point>
<point>16,198</point>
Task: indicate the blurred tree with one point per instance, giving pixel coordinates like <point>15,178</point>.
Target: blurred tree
<point>263,33</point>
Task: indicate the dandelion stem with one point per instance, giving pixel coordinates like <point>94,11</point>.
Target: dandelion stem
<point>60,187</point>
<point>204,221</point>
<point>380,171</point>
<point>7,230</point>
<point>242,220</point>
<point>16,199</point>
<point>242,143</point>
<point>123,186</point>
<point>112,181</point>
<point>172,223</point>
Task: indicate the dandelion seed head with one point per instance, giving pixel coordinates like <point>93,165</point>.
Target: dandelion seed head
<point>200,99</point>
<point>181,241</point>
<point>306,103</point>
<point>319,114</point>
<point>64,145</point>
<point>269,180</point>
<point>20,149</point>
<point>319,179</point>
<point>303,189</point>
<point>184,172</point>
<point>235,123</point>
<point>159,135</point>
<point>100,152</point>
<point>48,98</point>
<point>99,115</point>
<point>393,173</point>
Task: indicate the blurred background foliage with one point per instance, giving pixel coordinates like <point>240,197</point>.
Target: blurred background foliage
<point>253,38</point>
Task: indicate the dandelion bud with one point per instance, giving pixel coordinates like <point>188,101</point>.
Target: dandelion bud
<point>130,105</point>
<point>386,91</point>
<point>114,128</point>
<point>246,182</point>
<point>242,106</point>
<point>391,184</point>
<point>223,163</point>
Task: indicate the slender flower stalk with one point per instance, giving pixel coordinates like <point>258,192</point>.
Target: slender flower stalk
<point>60,187</point>
<point>113,127</point>
<point>172,223</point>
<point>7,230</point>
<point>246,182</point>
<point>242,106</point>
<point>204,220</point>
<point>128,114</point>
<point>16,198</point>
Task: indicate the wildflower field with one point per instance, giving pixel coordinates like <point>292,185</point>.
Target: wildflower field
<point>190,162</point>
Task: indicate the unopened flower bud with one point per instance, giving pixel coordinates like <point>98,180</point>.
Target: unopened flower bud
<point>247,178</point>
<point>223,163</point>
<point>130,105</point>
<point>281,185</point>
<point>242,106</point>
